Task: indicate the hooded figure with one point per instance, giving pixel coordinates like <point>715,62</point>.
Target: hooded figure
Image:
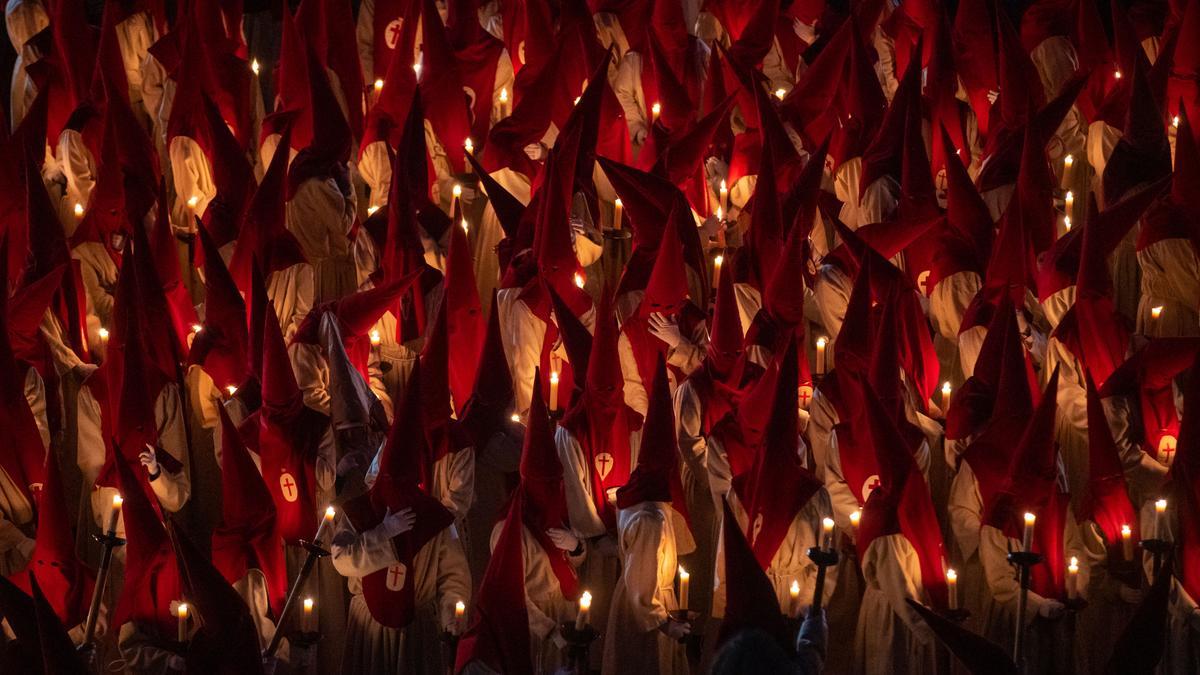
<point>405,563</point>
<point>644,633</point>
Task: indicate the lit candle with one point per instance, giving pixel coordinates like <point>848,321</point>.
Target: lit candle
<point>504,102</point>
<point>325,523</point>
<point>553,391</point>
<point>952,587</point>
<point>1156,312</point>
<point>193,201</point>
<point>1117,74</point>
<point>375,338</point>
<point>372,209</point>
<point>254,67</point>
<point>655,111</point>
<point>579,280</point>
<point>827,533</point>
<point>855,517</point>
<point>103,332</point>
<point>684,580</point>
<point>945,396</point>
<point>181,613</point>
<point>455,195</point>
<point>379,85</point>
<point>114,515</point>
<point>723,200</point>
<point>1067,223</point>
<point>468,150</point>
<point>585,606</point>
<point>1073,579</point>
<point>821,355</point>
<point>417,70</point>
<point>717,262</point>
<point>308,615</point>
<point>1175,121</point>
<point>1160,508</point>
<point>515,417</point>
<point>196,328</point>
<point>618,213</point>
<point>466,227</point>
<point>1027,540</point>
<point>794,595</point>
<point>780,93</point>
<point>1069,201</point>
<point>1126,542</point>
<point>460,611</point>
<point>231,389</point>
<point>78,210</point>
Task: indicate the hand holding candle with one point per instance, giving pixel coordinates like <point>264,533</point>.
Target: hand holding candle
<point>181,613</point>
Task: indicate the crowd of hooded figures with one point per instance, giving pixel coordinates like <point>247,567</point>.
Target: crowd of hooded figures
<point>617,336</point>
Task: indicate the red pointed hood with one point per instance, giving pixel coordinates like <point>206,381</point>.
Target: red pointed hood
<point>23,457</point>
<point>967,241</point>
<point>491,402</point>
<point>152,580</point>
<point>1107,498</point>
<point>386,117</point>
<point>232,176</point>
<point>499,632</point>
<point>901,504</point>
<point>292,86</point>
<point>885,155</point>
<point>1184,485</point>
<point>464,317</point>
<point>441,88</point>
<point>356,313</point>
<point>784,295</point>
<point>65,581</point>
<point>656,477</point>
<point>662,85</point>
<point>1021,87</point>
<point>329,150</point>
<point>221,348</point>
<point>778,485</point>
<point>65,69</point>
<point>667,289</point>
<point>575,339</point>
<point>264,239</point>
<point>543,500</point>
<point>751,603</point>
<point>227,639</point>
<point>1003,387</point>
<point>1031,486</point>
<point>976,653</point>
<point>726,340</point>
<point>26,308</point>
<point>329,22</point>
<point>246,537</point>
<point>1143,154</point>
<point>1173,216</point>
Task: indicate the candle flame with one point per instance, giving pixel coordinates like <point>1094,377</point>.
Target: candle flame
<point>585,601</point>
<point>724,188</point>
<point>456,190</point>
<point>504,95</point>
<point>619,203</point>
<point>821,342</point>
<point>951,575</point>
<point>330,512</point>
<point>554,377</point>
<point>683,574</point>
<point>1117,74</point>
<point>780,93</point>
<point>466,228</point>
<point>371,210</point>
<point>515,417</point>
<point>231,389</point>
<point>375,338</point>
<point>1067,223</point>
<point>1156,312</point>
<point>720,214</point>
<point>460,608</point>
<point>417,70</point>
<point>1030,519</point>
<point>1160,506</point>
<point>794,590</point>
<point>1175,121</point>
<point>103,333</point>
<point>193,201</point>
<point>254,67</point>
<point>182,610</point>
<point>469,145</point>
<point>718,260</point>
<point>827,525</point>
<point>78,210</point>
<point>117,501</point>
<point>308,605</point>
<point>656,109</point>
<point>1069,160</point>
<point>578,280</point>
<point>379,85</point>
<point>1073,568</point>
<point>855,517</point>
<point>946,388</point>
<point>1126,532</point>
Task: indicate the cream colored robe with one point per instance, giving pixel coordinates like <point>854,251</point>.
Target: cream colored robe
<point>16,513</point>
<point>321,217</point>
<point>791,561</point>
<point>24,19</point>
<point>645,593</point>
<point>79,169</point>
<point>891,637</point>
<point>1171,280</point>
<point>99,274</point>
<point>440,577</point>
<point>686,356</point>
<point>544,600</point>
<point>192,179</point>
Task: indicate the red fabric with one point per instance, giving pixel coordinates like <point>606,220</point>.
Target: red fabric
<point>442,88</point>
<point>286,434</point>
<point>1148,376</point>
<point>464,318</point>
<point>974,56</point>
<point>1184,482</point>
<point>751,602</point>
<point>403,482</point>
<point>24,457</point>
<point>386,117</point>
<point>491,402</point>
<point>247,537</point>
<point>656,477</point>
<point>221,348</point>
<point>264,239</point>
<point>389,19</point>
<point>232,176</point>
<point>1031,486</point>
<point>499,632</point>
<point>600,421</point>
<point>778,485</point>
<point>330,22</point>
<point>1107,498</point>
